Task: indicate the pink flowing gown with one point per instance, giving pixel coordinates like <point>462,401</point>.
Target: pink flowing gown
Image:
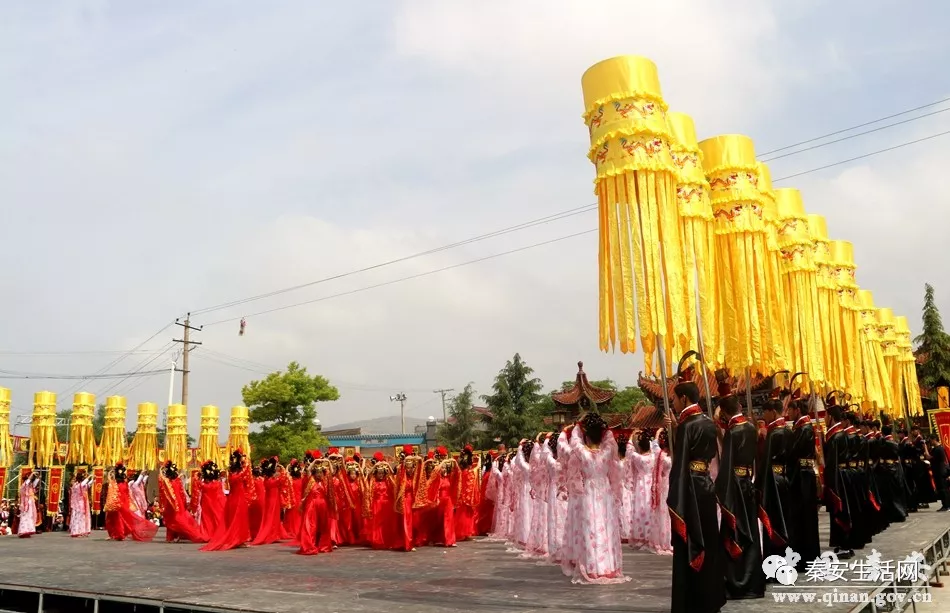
<point>27,526</point>
<point>593,525</point>
<point>642,517</point>
<point>80,518</point>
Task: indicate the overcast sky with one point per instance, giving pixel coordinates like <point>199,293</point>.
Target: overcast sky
<point>159,157</point>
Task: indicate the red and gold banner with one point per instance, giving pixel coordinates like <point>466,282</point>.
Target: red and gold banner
<point>21,444</point>
<point>54,489</point>
<point>940,423</point>
<point>98,476</point>
<point>3,478</point>
<point>25,472</point>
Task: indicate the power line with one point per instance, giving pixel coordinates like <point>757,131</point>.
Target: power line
<point>70,353</point>
<point>860,125</point>
<point>850,136</point>
<point>493,234</point>
<point>139,367</point>
<point>73,388</point>
<point>866,155</point>
<point>547,242</point>
<point>9,374</point>
<point>583,209</point>
<point>415,276</point>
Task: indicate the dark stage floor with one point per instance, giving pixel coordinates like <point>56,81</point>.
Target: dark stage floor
<point>475,576</point>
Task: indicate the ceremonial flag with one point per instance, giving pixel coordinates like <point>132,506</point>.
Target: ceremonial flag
<point>98,476</point>
<point>54,489</point>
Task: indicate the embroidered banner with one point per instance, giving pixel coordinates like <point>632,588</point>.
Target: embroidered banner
<point>3,479</point>
<point>98,476</point>
<point>940,423</point>
<point>54,489</point>
<point>21,444</point>
<point>25,472</point>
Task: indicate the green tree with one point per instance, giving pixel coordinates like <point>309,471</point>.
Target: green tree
<point>516,403</point>
<point>933,345</point>
<point>284,403</point>
<point>99,421</point>
<point>462,427</point>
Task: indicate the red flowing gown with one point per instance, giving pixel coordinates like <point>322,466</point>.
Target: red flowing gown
<point>256,508</point>
<point>356,513</point>
<point>235,530</point>
<point>486,509</point>
<point>271,530</point>
<point>407,520</point>
<point>469,498</point>
<point>292,515</point>
<point>179,523</point>
<point>121,522</point>
<point>212,507</point>
<point>383,532</point>
<point>314,534</point>
<point>442,530</point>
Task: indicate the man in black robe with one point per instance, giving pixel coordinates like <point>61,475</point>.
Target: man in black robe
<point>876,522</point>
<point>802,519</point>
<point>923,478</point>
<point>836,498</point>
<point>856,485</point>
<point>890,478</point>
<point>939,468</point>
<point>771,482</point>
<point>907,454</point>
<point>737,499</point>
<point>698,583</point>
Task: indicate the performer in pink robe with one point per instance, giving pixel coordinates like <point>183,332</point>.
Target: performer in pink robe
<point>137,482</point>
<point>539,480</point>
<point>660,540</point>
<point>80,518</point>
<point>641,462</point>
<point>496,492</point>
<point>593,523</point>
<point>521,495</point>
<point>28,515</point>
<point>626,511</point>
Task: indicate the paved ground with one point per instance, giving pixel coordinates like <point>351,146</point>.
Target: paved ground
<point>474,577</point>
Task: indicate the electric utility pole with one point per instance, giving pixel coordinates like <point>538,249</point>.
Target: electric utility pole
<point>401,398</point>
<point>445,415</point>
<point>186,348</point>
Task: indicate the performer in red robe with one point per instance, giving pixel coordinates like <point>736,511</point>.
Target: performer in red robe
<point>486,508</point>
<point>277,496</point>
<point>407,481</point>
<point>355,484</point>
<point>469,494</point>
<point>179,523</point>
<point>208,499</point>
<point>380,506</point>
<point>235,530</point>
<point>292,515</point>
<point>256,508</point>
<point>314,536</point>
<point>121,520</point>
<point>423,506</point>
<point>341,518</point>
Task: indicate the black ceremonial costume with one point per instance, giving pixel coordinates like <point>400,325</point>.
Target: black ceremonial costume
<point>908,458</point>
<point>802,519</point>
<point>698,584</point>
<point>835,451</point>
<point>737,498</point>
<point>890,481</point>
<point>772,484</point>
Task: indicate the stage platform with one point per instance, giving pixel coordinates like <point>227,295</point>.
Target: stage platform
<point>479,576</point>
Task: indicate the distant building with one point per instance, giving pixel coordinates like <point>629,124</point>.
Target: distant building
<point>352,440</point>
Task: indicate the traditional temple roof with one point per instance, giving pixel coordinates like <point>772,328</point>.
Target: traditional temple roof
<point>582,388</point>
<point>653,388</point>
<point>647,416</point>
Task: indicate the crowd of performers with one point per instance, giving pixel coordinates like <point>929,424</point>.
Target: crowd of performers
<point>735,491</point>
<point>743,491</point>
